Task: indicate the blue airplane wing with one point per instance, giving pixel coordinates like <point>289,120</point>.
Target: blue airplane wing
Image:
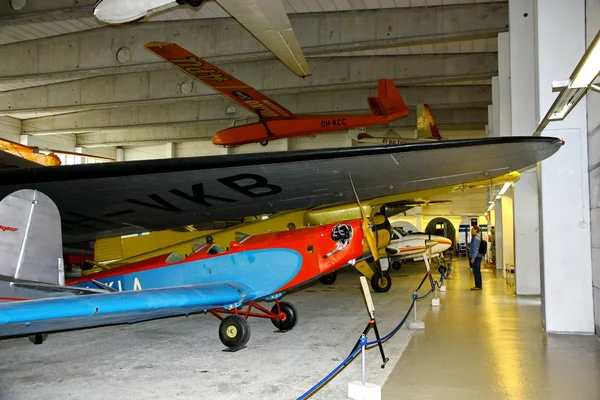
<point>55,314</point>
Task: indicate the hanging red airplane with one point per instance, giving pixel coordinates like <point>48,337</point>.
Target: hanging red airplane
<point>275,121</point>
<point>261,267</point>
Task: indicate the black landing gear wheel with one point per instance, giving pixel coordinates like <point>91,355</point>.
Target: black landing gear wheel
<point>291,316</point>
<point>38,338</point>
<point>381,282</point>
<point>328,279</point>
<point>396,265</point>
<point>234,332</point>
<point>264,142</point>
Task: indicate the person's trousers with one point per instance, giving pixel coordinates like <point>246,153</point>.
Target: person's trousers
<point>477,271</point>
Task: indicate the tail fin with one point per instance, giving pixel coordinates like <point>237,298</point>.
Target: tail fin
<point>426,127</point>
<point>30,238</point>
<point>388,102</point>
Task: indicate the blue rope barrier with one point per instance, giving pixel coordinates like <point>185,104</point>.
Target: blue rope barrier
<point>332,373</point>
<point>363,342</point>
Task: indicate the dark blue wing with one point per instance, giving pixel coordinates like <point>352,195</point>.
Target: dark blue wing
<point>47,315</point>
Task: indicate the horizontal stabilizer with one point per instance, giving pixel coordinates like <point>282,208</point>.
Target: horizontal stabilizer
<point>388,102</point>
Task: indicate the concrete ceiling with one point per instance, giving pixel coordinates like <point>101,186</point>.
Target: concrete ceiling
<point>64,74</point>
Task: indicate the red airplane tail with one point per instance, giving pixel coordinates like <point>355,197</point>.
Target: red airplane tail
<point>388,102</point>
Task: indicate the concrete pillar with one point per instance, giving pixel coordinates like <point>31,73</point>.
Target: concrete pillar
<point>170,150</point>
<point>490,125</point>
<point>504,88</point>
<point>563,183</point>
<point>119,154</point>
<point>499,234</point>
<point>26,140</point>
<point>593,102</point>
<point>508,239</point>
<point>496,105</point>
<point>524,122</point>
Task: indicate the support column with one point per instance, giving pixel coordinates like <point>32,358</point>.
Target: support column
<point>524,122</point>
<point>499,234</point>
<point>496,106</point>
<point>490,125</point>
<point>593,25</point>
<point>504,88</point>
<point>563,185</point>
<point>170,150</point>
<point>119,154</point>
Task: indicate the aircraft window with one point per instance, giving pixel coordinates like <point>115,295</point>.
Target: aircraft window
<point>196,247</point>
<point>173,258</point>
<point>395,236</point>
<point>215,249</point>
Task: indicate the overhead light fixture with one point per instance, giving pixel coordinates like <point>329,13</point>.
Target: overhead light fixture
<point>490,207</point>
<point>576,87</point>
<point>504,189</point>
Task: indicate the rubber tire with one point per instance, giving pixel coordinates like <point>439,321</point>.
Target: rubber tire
<point>328,279</point>
<point>396,265</point>
<point>264,142</point>
<point>381,283</point>
<point>241,335</point>
<point>291,316</point>
<point>38,338</point>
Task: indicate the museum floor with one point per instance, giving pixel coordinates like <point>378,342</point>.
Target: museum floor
<point>489,344</point>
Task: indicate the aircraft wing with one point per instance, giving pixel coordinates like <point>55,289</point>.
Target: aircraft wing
<point>8,160</point>
<point>268,22</point>
<point>52,314</point>
<point>219,80</point>
<point>112,199</point>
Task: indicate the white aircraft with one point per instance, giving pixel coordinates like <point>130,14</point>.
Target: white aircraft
<point>406,246</point>
<point>266,20</point>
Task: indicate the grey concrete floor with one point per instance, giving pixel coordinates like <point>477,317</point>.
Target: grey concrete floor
<point>182,358</point>
<point>490,344</point>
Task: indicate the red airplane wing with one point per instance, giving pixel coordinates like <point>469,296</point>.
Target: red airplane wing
<point>219,80</point>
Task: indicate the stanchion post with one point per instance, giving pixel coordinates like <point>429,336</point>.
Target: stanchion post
<point>415,325</point>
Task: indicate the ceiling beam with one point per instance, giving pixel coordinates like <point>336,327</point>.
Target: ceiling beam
<point>163,87</point>
<point>141,134</point>
<point>82,55</point>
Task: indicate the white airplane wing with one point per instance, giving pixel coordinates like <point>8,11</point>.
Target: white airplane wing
<point>270,25</point>
<point>266,20</point>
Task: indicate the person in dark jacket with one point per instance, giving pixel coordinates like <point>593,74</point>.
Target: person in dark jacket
<point>475,256</point>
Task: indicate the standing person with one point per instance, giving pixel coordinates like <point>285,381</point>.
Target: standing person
<point>475,256</point>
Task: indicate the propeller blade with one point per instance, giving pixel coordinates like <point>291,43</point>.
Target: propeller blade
<point>365,225</point>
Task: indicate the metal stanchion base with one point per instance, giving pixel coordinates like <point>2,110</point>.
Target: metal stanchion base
<point>435,302</point>
<point>368,391</point>
<point>416,325</point>
<point>443,288</point>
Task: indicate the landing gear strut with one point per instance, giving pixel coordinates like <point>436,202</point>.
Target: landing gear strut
<point>234,330</point>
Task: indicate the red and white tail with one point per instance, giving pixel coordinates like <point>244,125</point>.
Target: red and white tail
<point>426,126</point>
<point>388,102</point>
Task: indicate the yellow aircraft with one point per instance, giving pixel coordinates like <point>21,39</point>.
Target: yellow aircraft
<point>116,251</point>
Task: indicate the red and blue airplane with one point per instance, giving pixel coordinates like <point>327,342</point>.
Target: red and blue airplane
<point>261,267</point>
